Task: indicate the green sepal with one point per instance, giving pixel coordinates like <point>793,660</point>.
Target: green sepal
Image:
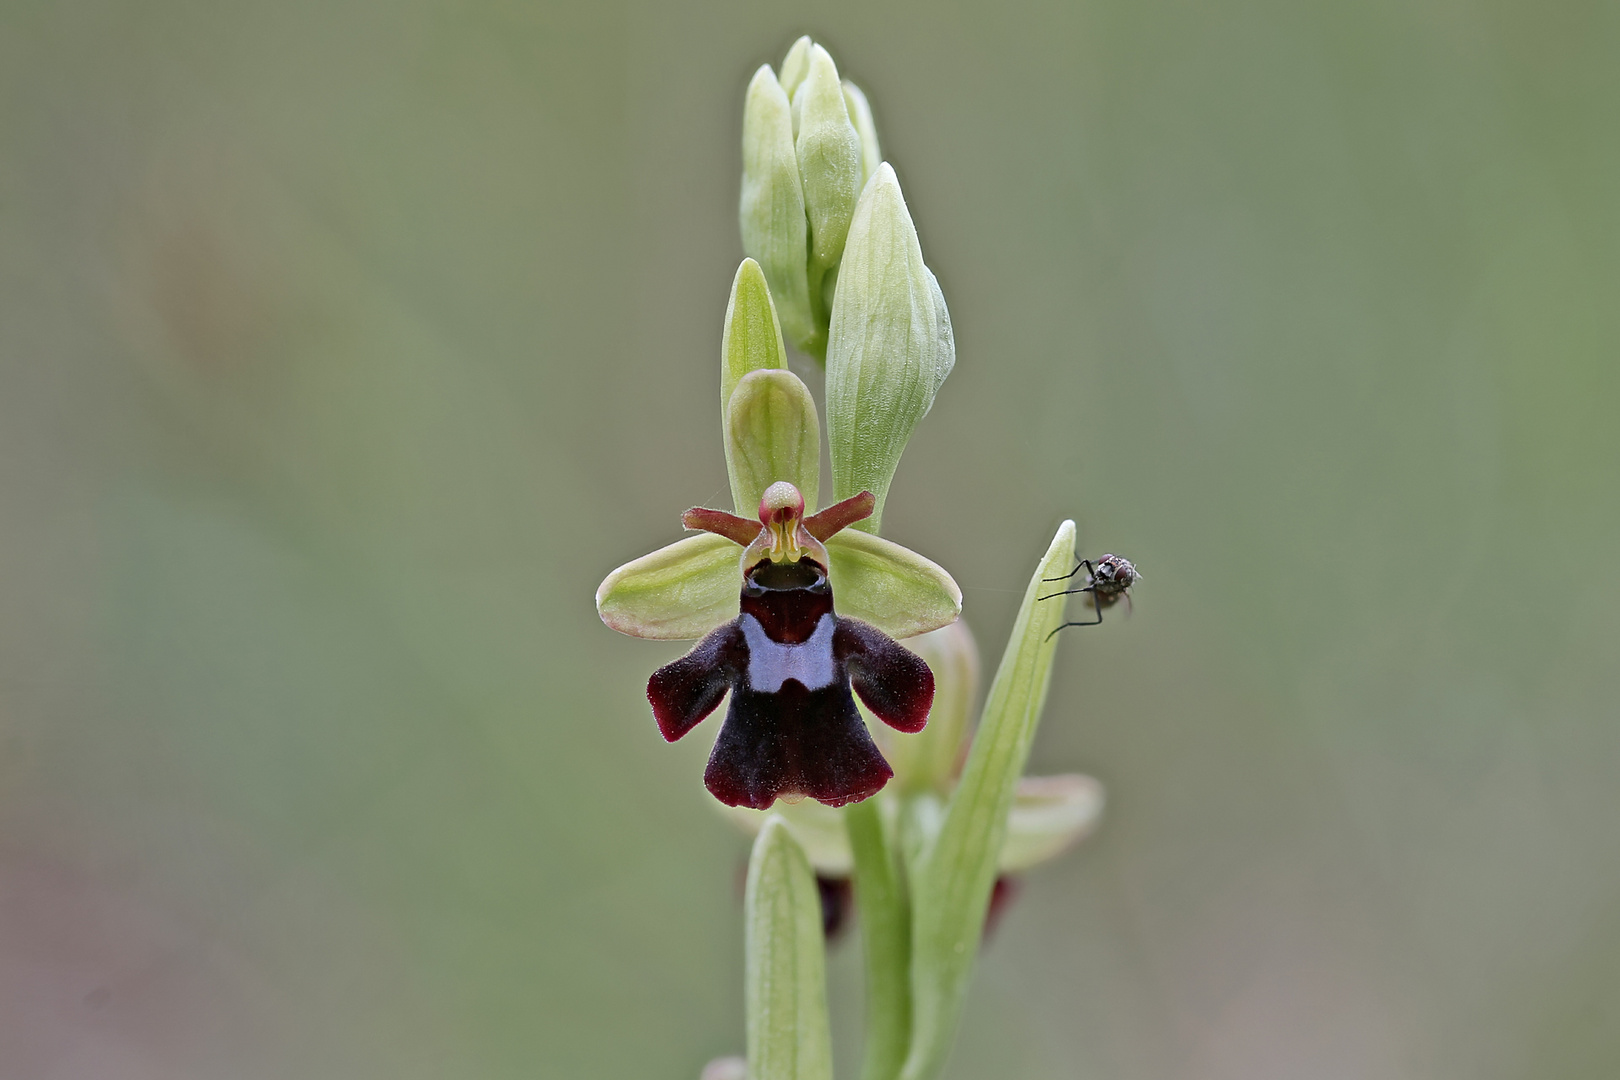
<point>1049,815</point>
<point>829,152</point>
<point>860,115</point>
<point>772,433</point>
<point>892,587</point>
<point>889,347</point>
<point>771,213</point>
<point>677,592</point>
<point>690,587</point>
<point>785,985</point>
<point>953,875</point>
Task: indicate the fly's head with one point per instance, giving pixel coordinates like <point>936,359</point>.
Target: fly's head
<point>1111,578</point>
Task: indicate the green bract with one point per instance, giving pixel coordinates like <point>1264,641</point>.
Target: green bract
<point>890,345</point>
<point>786,988</point>
<point>809,147</point>
<point>952,874</point>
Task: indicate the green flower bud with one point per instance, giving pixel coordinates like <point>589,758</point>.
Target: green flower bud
<point>860,114</point>
<point>829,153</point>
<point>797,231</point>
<point>775,231</point>
<point>889,348</point>
<point>796,65</point>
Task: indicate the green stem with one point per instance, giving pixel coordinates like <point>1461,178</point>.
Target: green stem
<point>886,939</point>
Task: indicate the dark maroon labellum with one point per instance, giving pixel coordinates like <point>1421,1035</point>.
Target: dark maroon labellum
<point>790,663</point>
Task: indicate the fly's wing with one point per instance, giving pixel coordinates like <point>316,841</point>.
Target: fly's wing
<point>893,681</point>
<point>685,691</point>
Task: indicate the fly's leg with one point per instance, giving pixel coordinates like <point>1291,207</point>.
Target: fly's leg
<point>1094,622</point>
<point>1086,563</point>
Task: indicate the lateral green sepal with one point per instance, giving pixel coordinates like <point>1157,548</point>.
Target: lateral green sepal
<point>680,591</point>
<point>892,587</point>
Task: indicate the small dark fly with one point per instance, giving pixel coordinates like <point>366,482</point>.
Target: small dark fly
<point>1108,580</point>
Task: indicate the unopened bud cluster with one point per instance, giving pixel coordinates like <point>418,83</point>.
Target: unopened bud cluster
<point>809,148</point>
<point>823,216</point>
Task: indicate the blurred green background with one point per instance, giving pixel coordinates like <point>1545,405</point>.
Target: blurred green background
<point>345,346</point>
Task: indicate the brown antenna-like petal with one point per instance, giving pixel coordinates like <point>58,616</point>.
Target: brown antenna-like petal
<point>734,528</point>
<point>840,515</point>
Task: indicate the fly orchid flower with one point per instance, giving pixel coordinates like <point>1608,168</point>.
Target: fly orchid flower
<point>790,661</point>
<point>760,593</point>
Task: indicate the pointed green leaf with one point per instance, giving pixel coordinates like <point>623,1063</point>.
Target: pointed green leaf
<point>772,433</point>
<point>927,760</point>
<point>829,154</point>
<point>952,878</point>
<point>1049,815</point>
<point>677,592</point>
<point>885,920</point>
<point>860,114</point>
<point>892,587</point>
<point>889,347</point>
<point>785,982</point>
<point>771,215</point>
